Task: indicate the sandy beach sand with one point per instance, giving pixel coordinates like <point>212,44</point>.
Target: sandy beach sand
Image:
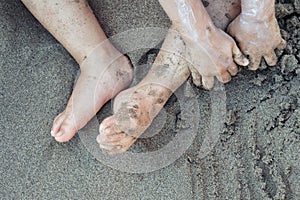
<point>256,155</point>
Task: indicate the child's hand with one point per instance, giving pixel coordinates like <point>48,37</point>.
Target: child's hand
<point>214,55</point>
<point>257,38</point>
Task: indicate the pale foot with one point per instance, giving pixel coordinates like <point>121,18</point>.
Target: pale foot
<point>135,108</point>
<point>104,73</point>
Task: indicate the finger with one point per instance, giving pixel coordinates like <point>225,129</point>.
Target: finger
<point>282,44</point>
<point>254,62</point>
<point>224,78</point>
<point>271,58</point>
<point>196,77</point>
<point>233,69</point>
<point>208,82</point>
<point>239,57</point>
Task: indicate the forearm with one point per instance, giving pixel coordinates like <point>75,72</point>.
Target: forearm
<point>259,10</point>
<point>189,16</point>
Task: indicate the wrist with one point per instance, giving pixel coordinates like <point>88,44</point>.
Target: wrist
<point>258,10</point>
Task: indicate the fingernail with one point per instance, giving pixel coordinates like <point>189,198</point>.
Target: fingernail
<point>246,61</point>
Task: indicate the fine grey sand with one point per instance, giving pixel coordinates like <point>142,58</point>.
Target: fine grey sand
<point>256,155</point>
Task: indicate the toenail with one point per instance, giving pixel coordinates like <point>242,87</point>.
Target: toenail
<point>51,132</point>
<point>59,134</point>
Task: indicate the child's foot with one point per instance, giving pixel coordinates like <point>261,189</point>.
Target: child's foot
<point>135,108</point>
<point>103,75</point>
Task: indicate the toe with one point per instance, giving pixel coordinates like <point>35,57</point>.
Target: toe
<point>108,147</point>
<point>103,139</point>
<point>123,145</point>
<point>57,124</point>
<point>107,133</point>
<point>106,124</point>
<point>66,131</point>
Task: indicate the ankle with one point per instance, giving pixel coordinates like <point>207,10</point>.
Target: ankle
<point>102,54</point>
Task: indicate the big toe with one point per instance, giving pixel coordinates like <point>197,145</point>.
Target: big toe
<point>57,124</point>
<point>106,130</point>
<point>66,131</point>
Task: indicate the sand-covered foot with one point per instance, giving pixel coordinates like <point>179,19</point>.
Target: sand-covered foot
<point>257,32</point>
<point>104,73</point>
<point>135,108</point>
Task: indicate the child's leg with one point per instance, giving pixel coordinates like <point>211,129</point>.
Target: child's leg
<point>74,25</point>
<point>135,108</point>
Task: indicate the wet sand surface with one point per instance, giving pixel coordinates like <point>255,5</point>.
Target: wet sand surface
<point>256,155</point>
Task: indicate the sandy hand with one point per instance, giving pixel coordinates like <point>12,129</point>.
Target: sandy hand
<point>215,54</point>
<point>258,36</point>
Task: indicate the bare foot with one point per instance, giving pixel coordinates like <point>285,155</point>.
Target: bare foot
<point>257,32</point>
<point>135,108</point>
<point>104,73</point>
